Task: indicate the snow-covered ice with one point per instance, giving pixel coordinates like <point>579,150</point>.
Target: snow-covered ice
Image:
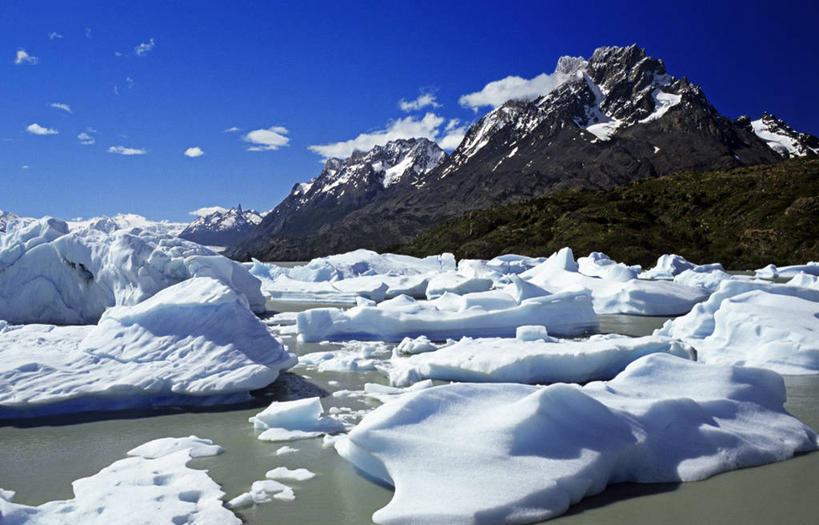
<point>145,488</point>
<point>773,272</point>
<point>669,265</point>
<point>614,296</point>
<point>511,453</point>
<point>485,314</point>
<point>598,264</point>
<point>754,323</point>
<point>196,342</point>
<point>454,282</point>
<point>196,446</point>
<point>366,262</point>
<point>50,276</point>
<point>299,419</point>
<point>530,361</point>
<point>354,356</point>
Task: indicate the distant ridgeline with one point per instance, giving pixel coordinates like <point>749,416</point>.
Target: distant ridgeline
<point>613,119</point>
<point>743,218</point>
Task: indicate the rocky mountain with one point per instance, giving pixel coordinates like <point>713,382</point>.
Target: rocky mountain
<point>614,118</point>
<point>343,187</point>
<point>780,137</point>
<point>222,227</point>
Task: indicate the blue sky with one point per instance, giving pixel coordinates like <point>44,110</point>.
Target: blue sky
<point>157,78</point>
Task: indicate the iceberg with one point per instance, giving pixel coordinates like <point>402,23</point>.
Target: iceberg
<point>754,323</point>
<point>512,453</point>
<point>196,342</point>
<point>598,264</point>
<point>155,487</point>
<point>454,282</point>
<point>613,296</point>
<point>530,361</point>
<point>669,265</point>
<point>366,262</point>
<point>486,314</point>
<point>50,276</point>
<point>773,272</point>
<point>299,419</point>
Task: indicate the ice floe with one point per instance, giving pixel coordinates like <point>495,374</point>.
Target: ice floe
<point>290,420</point>
<point>531,361</point>
<point>511,453</point>
<point>754,323</point>
<point>485,314</point>
<point>50,276</point>
<point>153,486</point>
<point>196,342</point>
<point>773,272</point>
<point>598,264</point>
<point>613,296</point>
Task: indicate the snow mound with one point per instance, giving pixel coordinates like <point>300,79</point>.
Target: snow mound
<point>530,361</point>
<point>141,489</point>
<point>192,343</point>
<point>486,314</point>
<point>663,419</point>
<point>289,420</point>
<point>48,276</point>
<point>754,323</point>
<point>614,295</point>
<point>773,272</point>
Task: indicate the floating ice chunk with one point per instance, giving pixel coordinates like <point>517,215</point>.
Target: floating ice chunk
<point>598,264</point>
<point>456,283</point>
<point>366,262</point>
<point>530,361</point>
<point>299,474</point>
<point>567,313</point>
<point>135,489</point>
<point>385,394</point>
<point>754,323</point>
<point>260,492</point>
<point>50,277</point>
<point>514,264</point>
<point>634,296</point>
<point>669,265</point>
<point>773,272</point>
<point>663,419</point>
<point>157,448</point>
<point>708,281</point>
<point>289,420</point>
<point>354,356</point>
<point>281,451</point>
<point>521,290</point>
<point>804,280</point>
<point>534,332</point>
<point>419,345</point>
<point>192,343</point>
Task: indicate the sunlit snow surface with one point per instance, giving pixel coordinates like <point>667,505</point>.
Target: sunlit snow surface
<point>189,342</point>
<point>511,453</point>
<point>153,486</point>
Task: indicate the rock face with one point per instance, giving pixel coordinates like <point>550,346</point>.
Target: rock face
<point>342,187</point>
<point>222,228</point>
<point>614,118</point>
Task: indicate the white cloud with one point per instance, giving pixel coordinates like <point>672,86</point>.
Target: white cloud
<point>58,105</point>
<point>404,128</point>
<point>194,152</point>
<point>86,139</point>
<point>233,129</point>
<point>267,139</point>
<point>87,32</point>
<point>25,166</point>
<point>52,35</point>
<point>143,48</point>
<point>24,58</point>
<point>207,210</point>
<point>36,129</point>
<point>423,100</point>
<point>453,134</point>
<point>512,87</point>
<point>122,150</point>
<point>117,54</point>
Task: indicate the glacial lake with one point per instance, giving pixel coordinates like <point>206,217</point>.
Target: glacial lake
<point>40,459</point>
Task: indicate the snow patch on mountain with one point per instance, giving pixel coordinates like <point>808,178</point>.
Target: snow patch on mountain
<point>783,139</point>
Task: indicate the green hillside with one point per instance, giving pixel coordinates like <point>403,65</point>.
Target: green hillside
<point>743,218</point>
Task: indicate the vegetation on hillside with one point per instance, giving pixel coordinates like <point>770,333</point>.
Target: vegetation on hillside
<point>744,218</point>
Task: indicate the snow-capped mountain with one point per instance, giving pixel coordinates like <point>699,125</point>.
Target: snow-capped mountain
<point>6,217</point>
<point>126,221</point>
<point>344,186</point>
<point>222,227</point>
<point>612,119</point>
<point>780,137</point>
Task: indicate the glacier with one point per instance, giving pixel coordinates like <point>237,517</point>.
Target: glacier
<point>511,453</point>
